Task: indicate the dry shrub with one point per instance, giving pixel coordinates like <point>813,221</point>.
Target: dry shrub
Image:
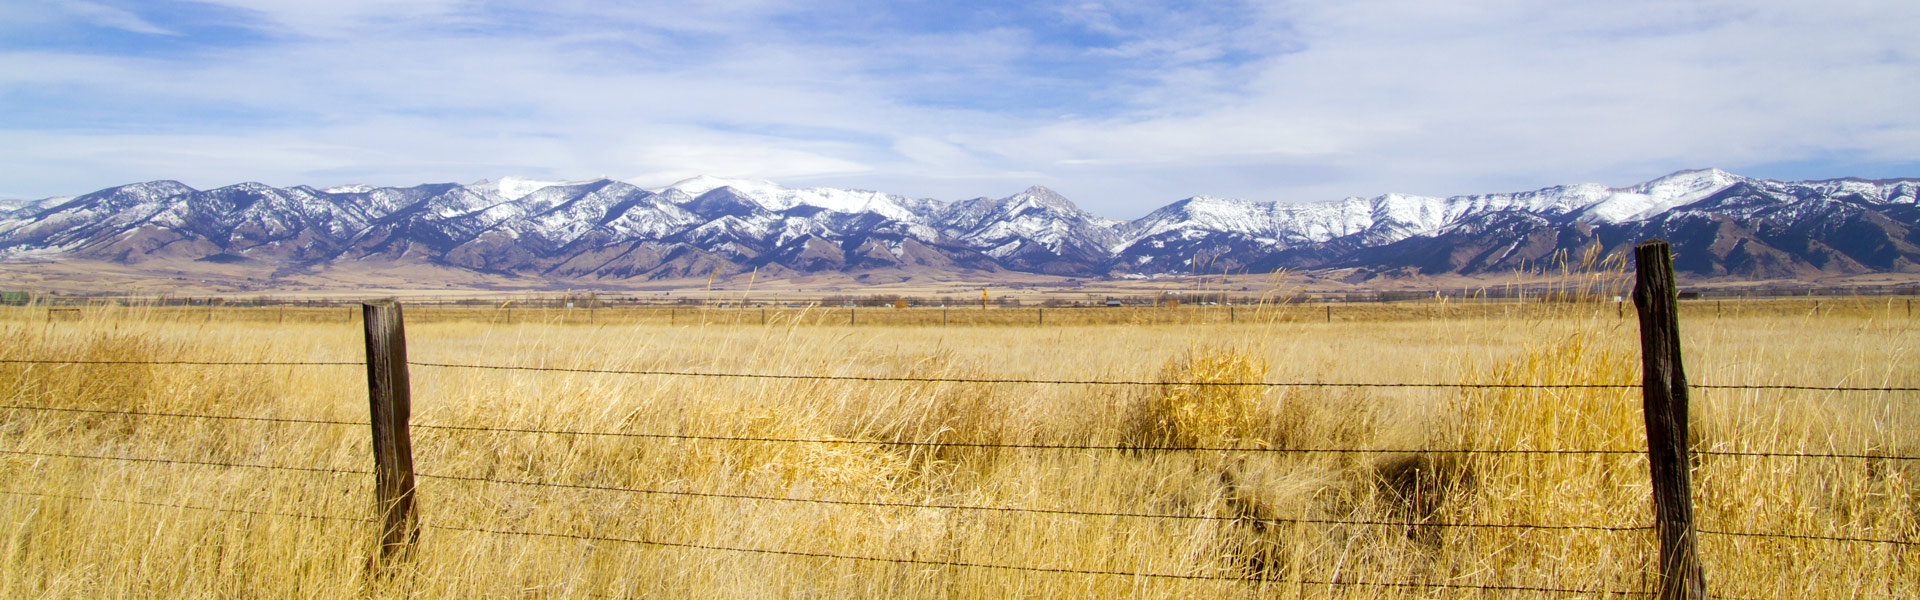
<point>1198,405</point>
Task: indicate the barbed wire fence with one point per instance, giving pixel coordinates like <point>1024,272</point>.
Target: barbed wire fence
<point>399,526</point>
<point>917,506</point>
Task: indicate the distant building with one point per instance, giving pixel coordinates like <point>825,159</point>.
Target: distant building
<point>1112,302</point>
<point>15,298</point>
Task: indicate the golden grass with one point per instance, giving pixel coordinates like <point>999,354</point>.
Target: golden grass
<point>1241,500</point>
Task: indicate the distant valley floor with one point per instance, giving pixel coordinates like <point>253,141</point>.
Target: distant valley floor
<point>431,282</point>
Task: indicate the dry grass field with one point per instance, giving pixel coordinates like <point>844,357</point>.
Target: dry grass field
<point>694,516</point>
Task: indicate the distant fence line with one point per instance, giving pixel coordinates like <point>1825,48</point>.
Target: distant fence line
<point>1664,394</point>
<point>1523,291</point>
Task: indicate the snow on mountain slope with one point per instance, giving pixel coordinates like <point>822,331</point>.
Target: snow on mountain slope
<point>776,198</point>
<point>1394,217</point>
<point>1037,215</point>
<point>1660,195</point>
<point>523,225</point>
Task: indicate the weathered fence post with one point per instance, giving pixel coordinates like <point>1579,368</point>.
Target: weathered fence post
<point>391,403</point>
<point>1664,389</point>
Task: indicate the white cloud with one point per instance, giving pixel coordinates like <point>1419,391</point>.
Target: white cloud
<point>669,162</point>
<point>1434,98</point>
<point>1293,101</point>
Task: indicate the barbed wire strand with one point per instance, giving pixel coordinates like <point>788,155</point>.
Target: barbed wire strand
<point>878,378</point>
<point>1146,448</point>
<point>188,462</point>
<point>1792,536</point>
<point>1045,511</point>
<point>1125,382</point>
<point>873,378</point>
<point>935,444</point>
<point>181,415</point>
<point>1803,455</point>
<point>190,506</point>
<point>209,363</point>
<point>1799,387</point>
<point>1030,569</point>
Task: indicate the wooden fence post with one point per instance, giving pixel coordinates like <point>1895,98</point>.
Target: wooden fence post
<point>1664,389</point>
<point>391,403</point>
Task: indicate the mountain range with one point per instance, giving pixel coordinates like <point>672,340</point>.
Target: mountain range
<point>1722,225</point>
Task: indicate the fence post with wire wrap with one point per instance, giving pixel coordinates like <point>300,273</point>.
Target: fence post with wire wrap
<point>390,403</point>
<point>1664,389</point>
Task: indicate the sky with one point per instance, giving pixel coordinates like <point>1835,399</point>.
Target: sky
<point>1120,106</point>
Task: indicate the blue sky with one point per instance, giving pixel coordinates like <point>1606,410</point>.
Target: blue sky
<point>1121,106</point>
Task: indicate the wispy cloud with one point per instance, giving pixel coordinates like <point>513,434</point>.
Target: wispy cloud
<point>116,18</point>
<point>1121,105</point>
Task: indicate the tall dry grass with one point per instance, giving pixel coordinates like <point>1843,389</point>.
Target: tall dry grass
<point>1243,537</point>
